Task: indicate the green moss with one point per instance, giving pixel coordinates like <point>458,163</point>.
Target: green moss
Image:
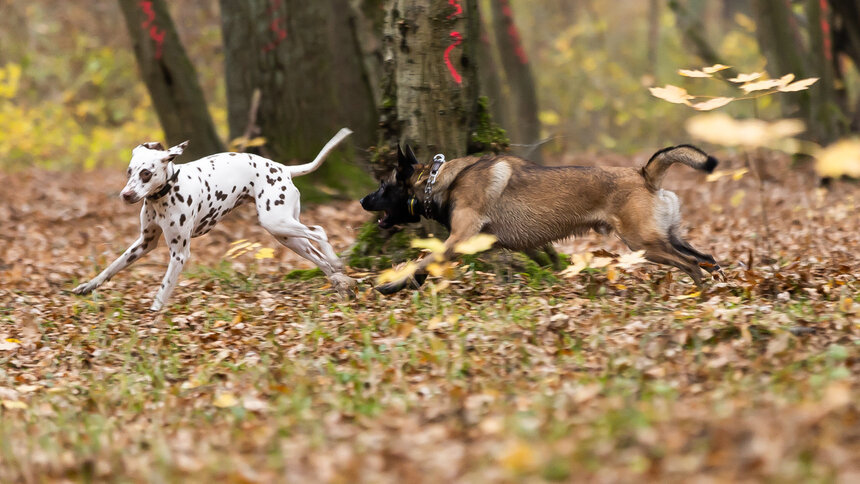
<point>338,177</point>
<point>303,274</point>
<point>375,250</point>
<point>487,136</point>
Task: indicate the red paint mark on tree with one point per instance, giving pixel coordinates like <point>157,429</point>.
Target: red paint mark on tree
<point>825,30</point>
<point>280,32</point>
<point>513,33</point>
<point>458,8</point>
<point>458,39</point>
<point>150,25</point>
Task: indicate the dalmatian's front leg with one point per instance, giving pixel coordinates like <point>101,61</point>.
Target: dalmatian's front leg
<point>148,240</point>
<point>178,242</point>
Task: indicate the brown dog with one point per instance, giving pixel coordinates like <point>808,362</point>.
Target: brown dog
<point>527,206</point>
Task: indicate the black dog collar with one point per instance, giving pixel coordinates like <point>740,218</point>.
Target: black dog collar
<point>412,205</point>
<point>166,188</point>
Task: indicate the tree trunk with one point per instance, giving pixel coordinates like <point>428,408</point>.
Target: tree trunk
<point>170,77</point>
<point>430,87</point>
<point>366,21</point>
<point>489,73</point>
<point>782,41</point>
<point>525,128</point>
<point>304,59</point>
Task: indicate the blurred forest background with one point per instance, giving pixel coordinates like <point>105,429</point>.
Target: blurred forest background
<point>500,371</point>
<point>559,76</point>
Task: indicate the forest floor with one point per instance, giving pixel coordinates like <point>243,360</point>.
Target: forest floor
<point>609,375</point>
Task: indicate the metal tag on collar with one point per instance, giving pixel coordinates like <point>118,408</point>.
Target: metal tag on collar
<point>438,161</point>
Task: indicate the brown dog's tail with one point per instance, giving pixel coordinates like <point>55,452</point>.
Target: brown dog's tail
<point>655,169</point>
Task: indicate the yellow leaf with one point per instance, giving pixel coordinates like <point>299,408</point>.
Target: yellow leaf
<point>673,94</point>
<point>692,73</point>
<point>405,329</point>
<point>689,296</point>
<point>437,288</point>
<point>396,274</point>
<point>13,340</point>
<point>237,143</point>
<point>768,83</point>
<point>431,244</point>
<point>745,22</point>
<point>241,248</point>
<point>840,158</point>
<point>478,243</point>
<point>714,103</point>
<point>14,404</point>
<point>436,270</point>
<point>599,262</point>
<point>265,253</point>
<point>716,68</point>
<point>611,274</point>
<point>800,85</point>
<point>549,118</point>
<point>737,198</point>
<point>735,174</point>
<point>722,129</point>
<point>742,78</point>
<point>258,141</point>
<point>630,259</point>
<point>224,400</point>
<point>578,262</point>
<point>519,457</point>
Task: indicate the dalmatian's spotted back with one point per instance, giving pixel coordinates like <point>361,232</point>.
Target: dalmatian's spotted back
<point>182,202</point>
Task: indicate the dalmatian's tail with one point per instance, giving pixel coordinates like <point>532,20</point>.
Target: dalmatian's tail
<point>299,170</point>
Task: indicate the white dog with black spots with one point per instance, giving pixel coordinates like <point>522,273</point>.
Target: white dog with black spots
<point>186,201</point>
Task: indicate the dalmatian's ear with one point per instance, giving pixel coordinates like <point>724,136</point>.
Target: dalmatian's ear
<point>175,151</point>
<point>153,145</point>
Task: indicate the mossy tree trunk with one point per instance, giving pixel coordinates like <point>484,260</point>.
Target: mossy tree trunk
<point>170,77</point>
<point>429,86</point>
<point>304,59</point>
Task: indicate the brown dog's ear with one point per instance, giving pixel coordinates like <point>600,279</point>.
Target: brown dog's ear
<point>404,165</point>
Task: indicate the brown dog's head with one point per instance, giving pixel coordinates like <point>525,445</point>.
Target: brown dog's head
<point>392,198</point>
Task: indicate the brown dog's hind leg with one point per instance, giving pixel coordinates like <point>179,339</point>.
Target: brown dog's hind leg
<point>465,224</point>
<point>705,261</point>
<point>658,248</point>
<point>661,255</point>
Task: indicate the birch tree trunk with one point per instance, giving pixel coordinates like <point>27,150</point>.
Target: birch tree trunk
<point>170,77</point>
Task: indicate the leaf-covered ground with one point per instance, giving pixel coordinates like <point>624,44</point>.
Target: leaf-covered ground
<point>253,376</point>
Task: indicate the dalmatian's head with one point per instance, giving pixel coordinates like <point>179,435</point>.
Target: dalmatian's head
<point>148,170</point>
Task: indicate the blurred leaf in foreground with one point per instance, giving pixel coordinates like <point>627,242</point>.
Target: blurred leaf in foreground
<point>722,129</point>
<point>840,158</point>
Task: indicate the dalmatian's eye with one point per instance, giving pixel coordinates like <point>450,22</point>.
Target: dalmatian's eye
<point>129,172</point>
<point>145,175</point>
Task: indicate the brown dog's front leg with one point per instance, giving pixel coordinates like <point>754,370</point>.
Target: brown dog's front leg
<point>464,225</point>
